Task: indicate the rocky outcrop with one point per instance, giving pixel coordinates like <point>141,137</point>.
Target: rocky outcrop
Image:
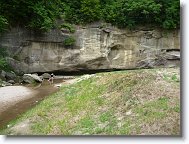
<point>3,75</point>
<point>4,83</point>
<point>97,47</point>
<point>8,76</point>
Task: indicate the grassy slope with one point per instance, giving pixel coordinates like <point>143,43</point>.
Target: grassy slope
<point>137,102</point>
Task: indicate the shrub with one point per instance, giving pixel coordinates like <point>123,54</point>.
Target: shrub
<point>70,41</point>
<point>3,62</point>
<point>68,27</point>
<point>3,23</point>
<point>41,15</point>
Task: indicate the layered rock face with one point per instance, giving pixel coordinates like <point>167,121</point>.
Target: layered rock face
<point>96,48</point>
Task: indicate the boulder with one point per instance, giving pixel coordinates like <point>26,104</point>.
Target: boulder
<point>46,75</point>
<point>35,74</point>
<point>3,75</point>
<point>30,78</point>
<point>10,75</point>
<point>11,81</point>
<point>41,77</point>
<point>4,83</point>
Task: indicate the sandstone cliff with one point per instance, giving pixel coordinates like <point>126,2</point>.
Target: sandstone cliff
<point>97,48</point>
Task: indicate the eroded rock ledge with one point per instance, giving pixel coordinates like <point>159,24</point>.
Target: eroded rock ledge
<point>96,48</point>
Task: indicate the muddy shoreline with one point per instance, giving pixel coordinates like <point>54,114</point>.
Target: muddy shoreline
<point>12,110</point>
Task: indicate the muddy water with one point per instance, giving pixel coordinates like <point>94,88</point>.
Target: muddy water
<point>43,90</point>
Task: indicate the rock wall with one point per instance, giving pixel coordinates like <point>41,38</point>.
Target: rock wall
<point>97,48</point>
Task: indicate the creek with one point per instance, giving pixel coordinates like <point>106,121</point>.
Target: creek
<point>39,93</point>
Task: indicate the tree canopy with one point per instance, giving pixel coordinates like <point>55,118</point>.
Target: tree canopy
<point>42,14</point>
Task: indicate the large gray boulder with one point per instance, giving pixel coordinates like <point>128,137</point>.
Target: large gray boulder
<point>11,81</point>
<point>10,75</point>
<point>6,76</point>
<point>3,75</point>
<point>31,78</point>
<point>46,75</point>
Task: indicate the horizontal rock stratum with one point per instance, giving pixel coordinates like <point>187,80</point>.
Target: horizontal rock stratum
<point>96,48</point>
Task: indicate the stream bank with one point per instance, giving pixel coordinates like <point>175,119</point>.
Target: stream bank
<point>15,100</point>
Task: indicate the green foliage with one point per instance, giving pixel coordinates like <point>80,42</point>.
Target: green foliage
<point>90,11</point>
<point>68,27</point>
<point>124,13</point>
<point>2,55</point>
<point>3,23</point>
<point>3,52</point>
<point>44,15</point>
<point>128,13</point>
<point>3,63</point>
<point>69,41</point>
<point>169,16</point>
<point>83,11</point>
<point>41,19</point>
<point>41,15</point>
<point>35,14</point>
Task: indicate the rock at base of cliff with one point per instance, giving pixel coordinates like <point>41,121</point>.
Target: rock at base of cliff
<point>30,78</point>
<point>10,75</point>
<point>46,75</point>
<point>4,83</point>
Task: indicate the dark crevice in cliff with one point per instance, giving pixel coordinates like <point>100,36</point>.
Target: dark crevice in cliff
<point>170,50</point>
<point>79,72</point>
<point>92,71</point>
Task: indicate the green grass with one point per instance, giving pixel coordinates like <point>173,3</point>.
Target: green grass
<point>105,117</point>
<point>171,78</point>
<point>100,105</point>
<point>153,110</point>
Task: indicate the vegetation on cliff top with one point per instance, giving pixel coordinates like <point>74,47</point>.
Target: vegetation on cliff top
<point>135,102</point>
<point>42,14</point>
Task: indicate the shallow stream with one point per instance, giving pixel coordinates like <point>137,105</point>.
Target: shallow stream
<point>41,91</point>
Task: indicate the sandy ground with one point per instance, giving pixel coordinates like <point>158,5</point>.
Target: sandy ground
<point>10,95</point>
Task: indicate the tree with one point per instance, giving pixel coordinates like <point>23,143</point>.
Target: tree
<point>42,14</point>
